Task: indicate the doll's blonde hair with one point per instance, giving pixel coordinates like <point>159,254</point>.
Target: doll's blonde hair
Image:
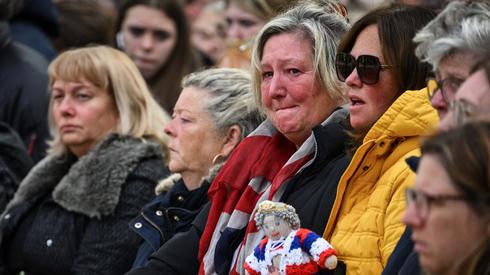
<point>278,209</point>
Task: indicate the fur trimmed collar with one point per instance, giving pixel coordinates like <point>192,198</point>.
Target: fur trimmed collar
<point>167,183</point>
<point>92,184</point>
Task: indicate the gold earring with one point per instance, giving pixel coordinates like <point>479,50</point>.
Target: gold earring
<point>217,158</point>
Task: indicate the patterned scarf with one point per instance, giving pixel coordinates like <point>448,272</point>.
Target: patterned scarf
<point>258,169</point>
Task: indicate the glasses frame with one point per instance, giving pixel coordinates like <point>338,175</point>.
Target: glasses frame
<point>464,110</point>
<point>361,68</point>
<point>424,205</point>
<point>440,87</point>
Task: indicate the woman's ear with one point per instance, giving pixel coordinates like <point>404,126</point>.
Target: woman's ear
<point>231,140</point>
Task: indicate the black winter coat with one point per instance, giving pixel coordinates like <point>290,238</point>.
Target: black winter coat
<point>312,193</point>
<point>24,94</point>
<point>15,163</point>
<point>70,216</point>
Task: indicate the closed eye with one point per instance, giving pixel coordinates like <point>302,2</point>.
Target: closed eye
<point>83,96</point>
<point>184,120</point>
<point>57,96</point>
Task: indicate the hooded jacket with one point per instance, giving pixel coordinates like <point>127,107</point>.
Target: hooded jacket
<point>70,216</point>
<point>365,223</point>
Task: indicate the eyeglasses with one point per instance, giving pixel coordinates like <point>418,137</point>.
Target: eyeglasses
<point>463,110</point>
<point>368,67</point>
<point>424,201</point>
<point>447,86</point>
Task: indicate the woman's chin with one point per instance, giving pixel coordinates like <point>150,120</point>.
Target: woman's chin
<point>175,167</point>
<point>359,122</point>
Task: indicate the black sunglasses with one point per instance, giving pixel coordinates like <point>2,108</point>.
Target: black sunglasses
<point>368,67</point>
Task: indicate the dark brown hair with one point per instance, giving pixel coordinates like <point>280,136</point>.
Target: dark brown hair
<point>83,23</point>
<point>165,84</point>
<point>397,25</point>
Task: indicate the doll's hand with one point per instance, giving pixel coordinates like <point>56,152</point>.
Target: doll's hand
<point>273,270</point>
<point>331,262</point>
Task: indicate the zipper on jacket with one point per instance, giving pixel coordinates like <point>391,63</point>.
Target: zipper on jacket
<point>153,224</point>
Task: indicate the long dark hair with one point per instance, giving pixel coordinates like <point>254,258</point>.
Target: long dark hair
<point>165,84</point>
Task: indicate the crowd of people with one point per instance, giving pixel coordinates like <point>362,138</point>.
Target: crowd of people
<point>145,136</point>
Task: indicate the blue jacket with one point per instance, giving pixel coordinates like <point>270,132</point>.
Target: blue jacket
<point>169,213</point>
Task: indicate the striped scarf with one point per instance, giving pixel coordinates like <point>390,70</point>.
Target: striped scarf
<point>259,169</point>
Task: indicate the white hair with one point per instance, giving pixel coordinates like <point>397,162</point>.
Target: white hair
<point>461,26</point>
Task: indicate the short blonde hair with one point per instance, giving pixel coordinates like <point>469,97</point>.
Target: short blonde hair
<point>140,116</point>
<point>317,23</point>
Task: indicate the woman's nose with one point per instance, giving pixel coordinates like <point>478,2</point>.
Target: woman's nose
<point>66,106</point>
<point>147,41</point>
<point>353,79</point>
<point>277,88</point>
<point>438,100</point>
<point>411,217</point>
<point>234,32</point>
<point>168,129</point>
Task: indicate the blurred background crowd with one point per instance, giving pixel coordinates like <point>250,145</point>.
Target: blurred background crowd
<point>139,136</point>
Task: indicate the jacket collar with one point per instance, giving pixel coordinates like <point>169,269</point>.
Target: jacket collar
<point>410,115</point>
<point>92,184</point>
<point>167,183</point>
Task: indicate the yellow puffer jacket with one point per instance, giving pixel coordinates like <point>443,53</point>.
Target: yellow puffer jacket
<point>365,222</point>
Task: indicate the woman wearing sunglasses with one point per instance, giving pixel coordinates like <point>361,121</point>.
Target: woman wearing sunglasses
<point>376,60</point>
<point>449,207</point>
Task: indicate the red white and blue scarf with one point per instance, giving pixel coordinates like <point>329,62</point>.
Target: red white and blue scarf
<point>259,169</point>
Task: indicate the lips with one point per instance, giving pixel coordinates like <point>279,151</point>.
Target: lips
<point>67,128</point>
<point>285,109</point>
<point>143,61</point>
<point>419,246</point>
<point>354,100</point>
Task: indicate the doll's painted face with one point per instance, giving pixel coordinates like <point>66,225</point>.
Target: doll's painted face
<point>275,227</point>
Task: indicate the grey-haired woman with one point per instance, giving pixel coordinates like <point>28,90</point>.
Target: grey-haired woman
<point>214,112</point>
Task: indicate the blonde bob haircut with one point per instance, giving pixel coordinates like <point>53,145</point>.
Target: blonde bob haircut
<point>140,116</point>
<point>323,26</point>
